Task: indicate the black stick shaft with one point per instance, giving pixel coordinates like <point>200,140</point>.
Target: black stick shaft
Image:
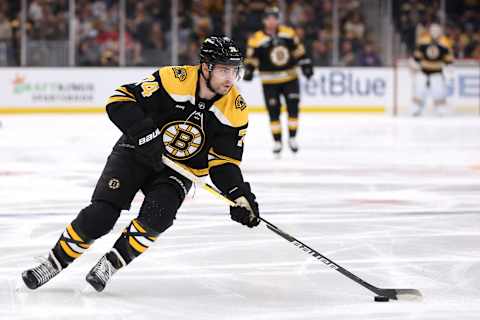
<point>317,255</point>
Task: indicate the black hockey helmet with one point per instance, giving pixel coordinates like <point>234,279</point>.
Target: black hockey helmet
<point>220,50</point>
<point>271,11</point>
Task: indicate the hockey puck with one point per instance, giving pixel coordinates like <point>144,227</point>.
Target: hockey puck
<point>381,299</point>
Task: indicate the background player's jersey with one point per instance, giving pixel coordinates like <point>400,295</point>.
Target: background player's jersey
<point>275,57</point>
<point>197,133</point>
<point>432,54</point>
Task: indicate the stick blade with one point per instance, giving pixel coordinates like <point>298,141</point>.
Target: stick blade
<point>409,294</point>
<point>400,294</point>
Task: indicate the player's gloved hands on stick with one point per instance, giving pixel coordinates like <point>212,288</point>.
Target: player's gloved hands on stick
<point>248,75</point>
<point>149,146</point>
<point>246,212</point>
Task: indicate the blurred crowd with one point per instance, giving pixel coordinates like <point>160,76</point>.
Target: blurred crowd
<point>148,34</point>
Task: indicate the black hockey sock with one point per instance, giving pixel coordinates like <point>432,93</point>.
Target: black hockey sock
<point>292,127</point>
<point>135,239</point>
<point>71,245</point>
<point>276,128</point>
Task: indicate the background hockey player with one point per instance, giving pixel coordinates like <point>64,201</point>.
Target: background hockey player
<point>432,54</point>
<point>192,114</point>
<point>276,51</point>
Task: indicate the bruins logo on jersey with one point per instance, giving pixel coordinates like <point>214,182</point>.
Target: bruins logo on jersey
<point>182,139</point>
<point>279,55</point>
<point>180,73</point>
<point>433,52</point>
<point>240,103</point>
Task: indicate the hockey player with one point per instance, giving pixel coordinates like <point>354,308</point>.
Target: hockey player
<point>191,114</point>
<point>276,51</point>
<point>431,56</point>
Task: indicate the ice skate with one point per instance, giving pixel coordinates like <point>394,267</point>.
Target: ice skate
<point>38,276</point>
<point>292,143</point>
<point>106,267</point>
<point>277,147</point>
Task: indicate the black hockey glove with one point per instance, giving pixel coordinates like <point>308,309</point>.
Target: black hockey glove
<point>246,212</point>
<point>248,75</point>
<point>149,146</point>
<point>307,67</point>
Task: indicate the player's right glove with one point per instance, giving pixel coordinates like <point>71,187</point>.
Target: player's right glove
<point>307,67</point>
<point>149,146</point>
<point>246,212</point>
<point>248,75</point>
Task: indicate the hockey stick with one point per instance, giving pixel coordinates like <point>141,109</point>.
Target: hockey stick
<point>383,294</point>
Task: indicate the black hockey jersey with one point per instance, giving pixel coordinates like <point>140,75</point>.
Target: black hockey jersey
<point>275,57</point>
<point>432,54</point>
<point>197,133</point>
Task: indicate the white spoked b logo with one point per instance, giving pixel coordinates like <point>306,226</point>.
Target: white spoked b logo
<point>182,139</point>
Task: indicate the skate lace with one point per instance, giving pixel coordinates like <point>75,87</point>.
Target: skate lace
<point>104,270</point>
<point>45,271</point>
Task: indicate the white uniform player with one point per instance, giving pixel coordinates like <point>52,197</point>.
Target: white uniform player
<point>431,57</point>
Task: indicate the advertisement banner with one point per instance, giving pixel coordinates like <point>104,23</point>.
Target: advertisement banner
<point>383,90</point>
<point>62,89</point>
<point>335,90</point>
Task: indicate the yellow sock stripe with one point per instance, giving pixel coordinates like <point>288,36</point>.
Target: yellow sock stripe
<point>69,251</point>
<point>275,127</point>
<point>292,123</point>
<point>137,246</point>
<point>75,236</point>
<point>139,228</point>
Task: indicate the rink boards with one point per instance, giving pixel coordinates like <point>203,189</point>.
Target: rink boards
<point>363,90</point>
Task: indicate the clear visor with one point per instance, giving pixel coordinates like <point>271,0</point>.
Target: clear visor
<point>225,71</point>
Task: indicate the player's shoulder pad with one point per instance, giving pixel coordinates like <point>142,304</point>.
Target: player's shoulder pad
<point>231,109</point>
<point>286,32</point>
<point>179,81</point>
<point>424,39</point>
<point>445,42</point>
<point>257,39</point>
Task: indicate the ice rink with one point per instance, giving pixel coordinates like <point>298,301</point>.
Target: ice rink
<point>396,201</point>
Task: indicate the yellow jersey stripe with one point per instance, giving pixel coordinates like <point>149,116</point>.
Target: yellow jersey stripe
<point>222,157</point>
<point>124,90</point>
<point>119,99</point>
<point>219,162</point>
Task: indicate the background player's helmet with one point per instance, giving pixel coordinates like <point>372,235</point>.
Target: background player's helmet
<point>271,11</point>
<point>220,50</point>
<point>435,30</point>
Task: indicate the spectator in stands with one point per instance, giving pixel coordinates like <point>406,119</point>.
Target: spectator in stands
<point>369,57</point>
<point>5,28</point>
<point>348,57</point>
<point>355,26</point>
<point>321,54</point>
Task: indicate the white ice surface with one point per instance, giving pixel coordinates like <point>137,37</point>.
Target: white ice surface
<point>393,200</point>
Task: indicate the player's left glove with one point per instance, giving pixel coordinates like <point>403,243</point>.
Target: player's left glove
<point>246,212</point>
<point>307,67</point>
<point>149,146</point>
